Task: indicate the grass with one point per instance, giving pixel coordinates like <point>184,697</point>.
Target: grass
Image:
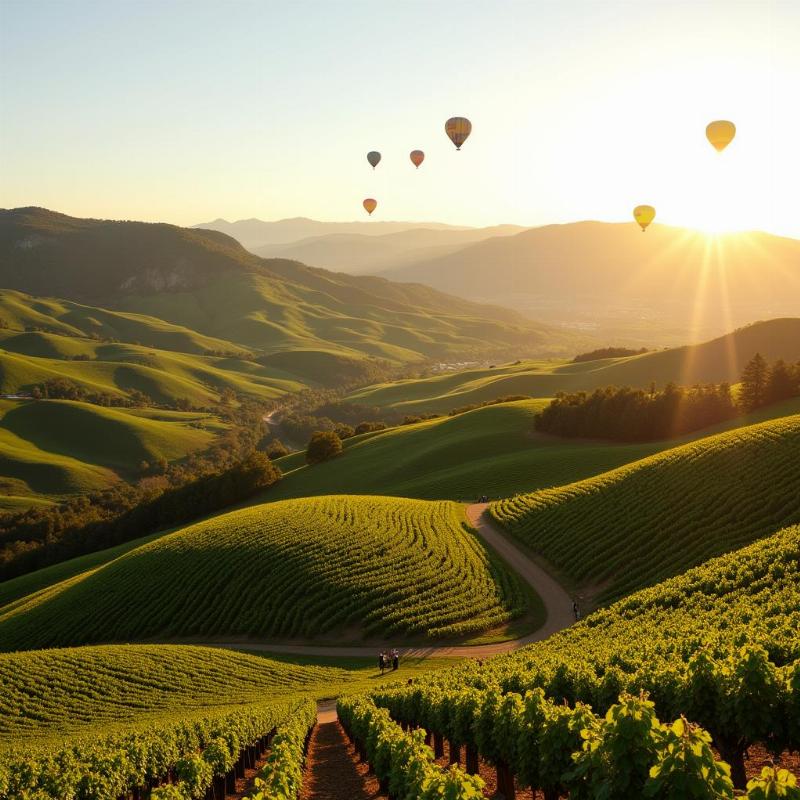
<point>715,361</point>
<point>344,566</point>
<point>56,448</point>
<point>659,516</point>
<point>118,369</point>
<point>491,450</point>
<point>71,691</point>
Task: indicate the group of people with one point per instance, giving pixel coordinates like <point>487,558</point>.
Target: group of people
<point>389,659</point>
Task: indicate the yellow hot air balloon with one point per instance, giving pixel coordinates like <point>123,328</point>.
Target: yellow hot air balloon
<point>374,158</point>
<point>370,205</point>
<point>720,133</point>
<point>644,215</point>
<point>417,157</point>
<point>458,128</point>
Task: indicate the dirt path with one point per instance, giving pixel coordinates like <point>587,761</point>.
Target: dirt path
<point>332,770</point>
<point>557,603</point>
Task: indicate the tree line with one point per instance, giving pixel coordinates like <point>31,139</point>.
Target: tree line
<point>170,494</point>
<point>636,415</point>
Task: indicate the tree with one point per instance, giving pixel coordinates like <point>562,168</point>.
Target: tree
<point>752,394</point>
<point>275,448</point>
<point>344,431</point>
<point>324,446</point>
<point>781,383</point>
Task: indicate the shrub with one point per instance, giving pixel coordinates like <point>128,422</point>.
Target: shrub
<point>324,446</point>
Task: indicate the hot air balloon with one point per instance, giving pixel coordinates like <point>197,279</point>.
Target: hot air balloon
<point>370,205</point>
<point>720,133</point>
<point>644,215</point>
<point>417,157</point>
<point>458,128</point>
<point>374,158</point>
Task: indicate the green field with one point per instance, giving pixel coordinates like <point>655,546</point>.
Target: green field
<point>165,377</point>
<point>344,566</point>
<point>715,361</point>
<point>60,447</point>
<point>654,518</point>
<point>492,450</point>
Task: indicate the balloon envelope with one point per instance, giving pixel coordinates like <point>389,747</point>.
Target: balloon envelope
<point>458,128</point>
<point>644,215</point>
<point>374,158</point>
<point>720,133</point>
<point>370,205</point>
<point>417,157</point>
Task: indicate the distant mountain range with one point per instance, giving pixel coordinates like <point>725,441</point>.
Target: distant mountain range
<point>663,287</point>
<point>366,253</point>
<point>255,233</point>
<point>666,287</point>
<point>304,321</point>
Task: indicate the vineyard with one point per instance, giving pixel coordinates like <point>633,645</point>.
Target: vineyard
<point>285,570</point>
<point>47,694</point>
<point>189,755</point>
<point>717,650</point>
<point>649,520</point>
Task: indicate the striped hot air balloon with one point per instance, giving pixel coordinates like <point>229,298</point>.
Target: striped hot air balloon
<point>458,129</point>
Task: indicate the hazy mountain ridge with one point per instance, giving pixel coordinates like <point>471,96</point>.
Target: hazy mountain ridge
<point>613,279</point>
<point>254,233</point>
<point>362,253</point>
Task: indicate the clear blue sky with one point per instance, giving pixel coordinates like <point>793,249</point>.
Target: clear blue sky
<point>187,111</point>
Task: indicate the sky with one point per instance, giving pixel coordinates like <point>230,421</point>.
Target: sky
<point>582,109</point>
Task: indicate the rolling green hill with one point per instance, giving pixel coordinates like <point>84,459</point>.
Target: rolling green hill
<point>30,359</point>
<point>654,518</point>
<point>22,311</point>
<point>718,360</point>
<point>60,447</point>
<point>207,282</point>
<point>491,450</point>
<point>347,566</point>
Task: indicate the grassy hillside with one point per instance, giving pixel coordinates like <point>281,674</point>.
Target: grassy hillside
<point>60,447</point>
<point>655,288</point>
<point>207,282</point>
<point>720,359</point>
<point>347,566</point>
<point>22,311</point>
<point>646,521</point>
<point>492,450</point>
<point>30,359</point>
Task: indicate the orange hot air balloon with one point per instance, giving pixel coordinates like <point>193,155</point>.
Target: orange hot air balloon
<point>458,128</point>
<point>370,205</point>
<point>644,215</point>
<point>720,133</point>
<point>417,157</point>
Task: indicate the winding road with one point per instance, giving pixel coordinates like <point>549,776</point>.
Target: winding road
<point>557,603</point>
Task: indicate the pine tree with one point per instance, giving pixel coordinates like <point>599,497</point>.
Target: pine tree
<point>752,393</point>
<point>780,383</point>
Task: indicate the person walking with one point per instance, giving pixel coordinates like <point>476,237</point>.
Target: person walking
<point>382,661</point>
<point>575,610</point>
<point>395,659</point>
